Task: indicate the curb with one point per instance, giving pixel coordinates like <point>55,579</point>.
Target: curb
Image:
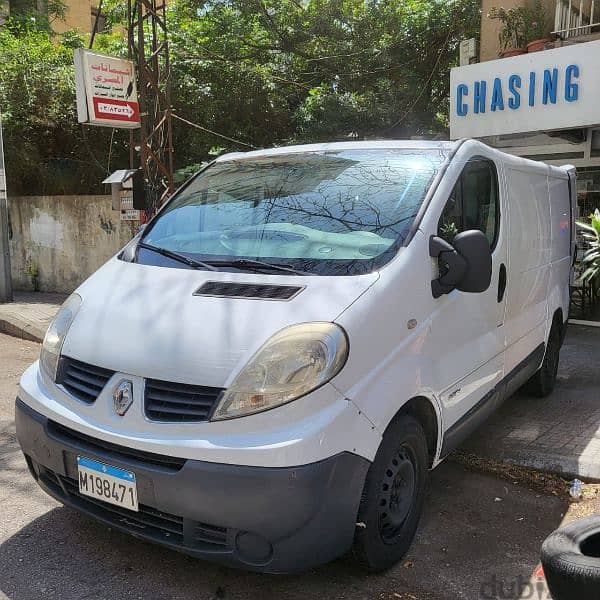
<point>23,329</point>
<point>569,465</point>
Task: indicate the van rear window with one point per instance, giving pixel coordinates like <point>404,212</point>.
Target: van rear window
<point>326,213</point>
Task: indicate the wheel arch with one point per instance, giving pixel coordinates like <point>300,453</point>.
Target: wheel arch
<point>427,413</point>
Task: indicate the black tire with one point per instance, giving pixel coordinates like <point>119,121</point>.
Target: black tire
<point>571,560</point>
<point>392,497</point>
<point>543,381</point>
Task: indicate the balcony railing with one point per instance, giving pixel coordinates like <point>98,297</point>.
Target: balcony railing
<point>574,18</point>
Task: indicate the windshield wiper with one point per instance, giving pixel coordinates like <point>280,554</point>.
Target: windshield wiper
<point>190,262</point>
<point>249,263</point>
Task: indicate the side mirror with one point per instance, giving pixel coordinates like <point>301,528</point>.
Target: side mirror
<point>468,263</point>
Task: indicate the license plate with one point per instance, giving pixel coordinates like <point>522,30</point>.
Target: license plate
<point>108,483</point>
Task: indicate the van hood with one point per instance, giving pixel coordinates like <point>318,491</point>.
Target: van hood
<point>146,321</point>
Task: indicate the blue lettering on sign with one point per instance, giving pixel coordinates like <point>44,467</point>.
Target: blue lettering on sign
<point>497,97</point>
<point>514,84</point>
<point>571,89</point>
<point>461,108</point>
<point>531,89</point>
<point>550,86</point>
<point>508,93</point>
<point>479,97</point>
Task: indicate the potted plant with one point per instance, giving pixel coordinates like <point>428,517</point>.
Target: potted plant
<point>512,34</point>
<point>591,257</point>
<point>537,29</point>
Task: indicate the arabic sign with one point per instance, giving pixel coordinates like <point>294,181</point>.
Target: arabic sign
<point>106,90</point>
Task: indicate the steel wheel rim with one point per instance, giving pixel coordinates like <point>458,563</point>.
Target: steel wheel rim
<point>396,495</point>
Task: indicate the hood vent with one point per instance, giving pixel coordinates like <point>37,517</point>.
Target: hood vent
<point>253,291</point>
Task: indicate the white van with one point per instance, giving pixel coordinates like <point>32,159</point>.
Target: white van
<point>265,375</point>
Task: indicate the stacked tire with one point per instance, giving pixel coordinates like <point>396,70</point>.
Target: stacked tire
<point>571,560</point>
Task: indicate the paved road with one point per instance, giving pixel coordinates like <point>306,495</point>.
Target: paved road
<point>476,531</point>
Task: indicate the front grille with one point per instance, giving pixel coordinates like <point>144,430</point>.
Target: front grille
<point>179,402</point>
<point>83,381</point>
<point>226,289</point>
<point>209,535</point>
<point>148,521</point>
<point>112,452</point>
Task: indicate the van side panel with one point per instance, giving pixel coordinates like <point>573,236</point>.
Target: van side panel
<point>529,256</point>
<point>562,232</point>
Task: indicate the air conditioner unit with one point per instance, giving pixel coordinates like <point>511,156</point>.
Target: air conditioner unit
<point>469,52</point>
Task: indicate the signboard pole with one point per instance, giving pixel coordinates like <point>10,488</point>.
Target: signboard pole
<point>6,292</point>
<point>149,48</point>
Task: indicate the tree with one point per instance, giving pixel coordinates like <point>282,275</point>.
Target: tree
<point>322,69</point>
<point>46,150</point>
<point>262,72</point>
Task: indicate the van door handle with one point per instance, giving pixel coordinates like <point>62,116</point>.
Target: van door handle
<point>501,282</point>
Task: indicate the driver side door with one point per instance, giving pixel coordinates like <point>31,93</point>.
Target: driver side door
<point>467,331</point>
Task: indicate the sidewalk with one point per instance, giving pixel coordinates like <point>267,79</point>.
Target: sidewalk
<point>30,314</point>
<point>560,433</point>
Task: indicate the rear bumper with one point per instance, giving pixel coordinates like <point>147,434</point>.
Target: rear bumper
<point>280,519</point>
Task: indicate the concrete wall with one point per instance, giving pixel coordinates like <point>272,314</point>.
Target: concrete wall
<point>489,47</point>
<point>66,238</point>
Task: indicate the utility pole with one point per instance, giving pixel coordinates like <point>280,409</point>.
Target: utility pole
<point>6,292</point>
<point>149,48</point>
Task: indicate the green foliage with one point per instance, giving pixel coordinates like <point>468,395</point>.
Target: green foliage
<point>45,149</point>
<point>264,72</point>
<point>591,257</point>
<point>521,24</point>
<point>25,16</point>
<point>513,33</point>
<point>537,22</point>
<point>277,71</point>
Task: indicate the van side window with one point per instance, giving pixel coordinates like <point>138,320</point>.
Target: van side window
<point>473,203</point>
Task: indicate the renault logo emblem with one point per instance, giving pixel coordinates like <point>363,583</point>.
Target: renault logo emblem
<point>123,397</point>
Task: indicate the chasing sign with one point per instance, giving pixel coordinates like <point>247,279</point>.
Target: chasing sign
<point>106,90</point>
<point>541,91</point>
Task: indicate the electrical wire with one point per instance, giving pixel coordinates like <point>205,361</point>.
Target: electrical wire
<point>176,116</point>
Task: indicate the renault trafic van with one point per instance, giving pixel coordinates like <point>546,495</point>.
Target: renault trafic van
<point>265,375</point>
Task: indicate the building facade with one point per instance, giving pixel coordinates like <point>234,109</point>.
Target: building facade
<point>80,15</point>
<point>543,105</point>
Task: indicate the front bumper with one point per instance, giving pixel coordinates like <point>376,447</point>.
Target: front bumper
<point>271,519</point>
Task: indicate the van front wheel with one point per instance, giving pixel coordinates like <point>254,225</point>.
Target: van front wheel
<point>392,497</point>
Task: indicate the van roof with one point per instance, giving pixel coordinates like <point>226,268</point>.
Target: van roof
<point>337,146</point>
<point>443,146</point>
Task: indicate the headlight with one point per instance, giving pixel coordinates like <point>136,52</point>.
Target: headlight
<point>55,336</point>
<point>292,363</point>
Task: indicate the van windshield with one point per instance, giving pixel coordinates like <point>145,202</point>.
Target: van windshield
<point>325,213</point>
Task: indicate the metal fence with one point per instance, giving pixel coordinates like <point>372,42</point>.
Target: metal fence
<point>576,17</point>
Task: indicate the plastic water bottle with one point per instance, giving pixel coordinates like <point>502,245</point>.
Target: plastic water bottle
<point>576,489</point>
